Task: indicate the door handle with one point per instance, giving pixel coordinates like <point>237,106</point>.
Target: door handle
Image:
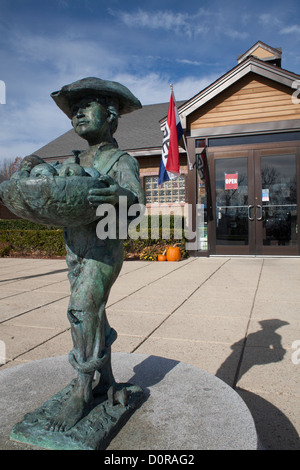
<point>249,208</point>
<point>261,214</point>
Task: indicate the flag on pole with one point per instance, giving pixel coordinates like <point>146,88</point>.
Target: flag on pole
<point>169,164</point>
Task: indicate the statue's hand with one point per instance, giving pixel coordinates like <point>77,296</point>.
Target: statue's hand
<point>108,195</point>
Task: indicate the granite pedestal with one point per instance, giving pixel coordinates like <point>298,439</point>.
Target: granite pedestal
<point>185,408</point>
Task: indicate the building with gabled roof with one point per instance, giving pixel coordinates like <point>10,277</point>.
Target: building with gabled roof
<point>246,127</point>
<point>242,133</point>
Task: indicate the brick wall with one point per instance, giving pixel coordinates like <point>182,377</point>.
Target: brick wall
<point>5,213</point>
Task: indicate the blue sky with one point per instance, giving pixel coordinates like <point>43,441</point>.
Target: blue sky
<point>146,45</point>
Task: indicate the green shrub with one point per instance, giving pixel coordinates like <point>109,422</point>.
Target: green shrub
<point>28,242</point>
<point>48,242</point>
<point>5,249</point>
<point>22,224</point>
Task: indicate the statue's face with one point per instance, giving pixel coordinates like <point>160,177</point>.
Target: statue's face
<point>90,121</point>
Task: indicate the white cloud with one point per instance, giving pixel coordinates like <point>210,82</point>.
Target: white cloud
<point>189,62</point>
<point>269,19</point>
<point>295,28</point>
<point>43,64</point>
<point>155,88</point>
<point>187,87</point>
<point>200,22</point>
<point>166,20</point>
<point>184,23</point>
<point>150,88</point>
<point>69,56</point>
<point>30,128</point>
<point>235,34</point>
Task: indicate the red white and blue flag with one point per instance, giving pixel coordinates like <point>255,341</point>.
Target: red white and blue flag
<point>169,164</point>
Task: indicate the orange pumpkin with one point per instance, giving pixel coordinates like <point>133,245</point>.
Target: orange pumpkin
<point>162,256</point>
<point>173,253</point>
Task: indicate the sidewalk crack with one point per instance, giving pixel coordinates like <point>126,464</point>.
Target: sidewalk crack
<point>238,369</point>
<point>149,283</point>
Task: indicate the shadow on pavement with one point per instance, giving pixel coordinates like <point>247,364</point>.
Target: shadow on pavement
<point>20,278</point>
<point>274,429</point>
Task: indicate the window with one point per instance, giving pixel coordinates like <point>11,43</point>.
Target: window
<point>252,139</point>
<point>170,192</point>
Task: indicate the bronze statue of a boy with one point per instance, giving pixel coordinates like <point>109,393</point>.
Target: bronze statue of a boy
<point>94,106</point>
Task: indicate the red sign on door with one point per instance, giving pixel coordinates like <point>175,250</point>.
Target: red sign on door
<point>231,181</point>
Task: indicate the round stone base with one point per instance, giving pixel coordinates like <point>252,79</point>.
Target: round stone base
<point>185,408</point>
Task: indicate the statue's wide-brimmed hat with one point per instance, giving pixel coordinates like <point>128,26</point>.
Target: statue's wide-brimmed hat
<point>91,86</point>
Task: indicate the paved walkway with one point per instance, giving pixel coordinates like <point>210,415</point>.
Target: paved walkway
<point>237,318</point>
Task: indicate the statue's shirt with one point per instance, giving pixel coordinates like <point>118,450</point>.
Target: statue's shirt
<point>124,170</point>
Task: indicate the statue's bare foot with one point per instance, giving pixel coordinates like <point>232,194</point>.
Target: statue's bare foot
<point>78,405</point>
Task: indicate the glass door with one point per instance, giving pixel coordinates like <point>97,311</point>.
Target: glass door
<point>232,187</point>
<point>255,202</point>
<point>276,203</point>
<point>232,204</point>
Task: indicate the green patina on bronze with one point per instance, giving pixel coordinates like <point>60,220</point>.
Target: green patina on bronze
<point>67,195</point>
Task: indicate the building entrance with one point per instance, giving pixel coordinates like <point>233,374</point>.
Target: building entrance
<point>254,201</point>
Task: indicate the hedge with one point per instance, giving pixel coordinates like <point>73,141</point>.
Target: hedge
<point>24,238</point>
<point>32,242</point>
<point>23,224</point>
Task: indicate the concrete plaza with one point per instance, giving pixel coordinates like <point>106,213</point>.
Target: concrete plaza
<point>237,318</point>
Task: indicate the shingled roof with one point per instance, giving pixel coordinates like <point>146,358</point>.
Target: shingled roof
<point>136,131</point>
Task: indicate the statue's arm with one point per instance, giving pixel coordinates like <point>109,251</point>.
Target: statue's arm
<point>128,177</point>
<point>122,180</point>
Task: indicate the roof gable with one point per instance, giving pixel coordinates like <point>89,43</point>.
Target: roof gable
<point>252,99</point>
<point>245,67</point>
<point>261,51</point>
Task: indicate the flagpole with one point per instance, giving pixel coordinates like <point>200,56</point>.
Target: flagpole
<point>187,154</point>
<point>183,136</point>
